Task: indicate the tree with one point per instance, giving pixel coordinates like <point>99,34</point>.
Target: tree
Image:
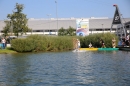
<point>61,32</point>
<point>6,29</point>
<point>71,31</point>
<point>17,22</point>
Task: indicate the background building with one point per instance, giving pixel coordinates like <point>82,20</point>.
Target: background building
<point>52,25</point>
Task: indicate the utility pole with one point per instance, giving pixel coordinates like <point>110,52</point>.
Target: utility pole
<point>102,28</point>
<point>56,15</point>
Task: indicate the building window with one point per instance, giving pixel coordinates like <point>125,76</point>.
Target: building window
<point>99,29</point>
<point>37,30</point>
<point>46,30</point>
<point>107,29</point>
<point>52,30</point>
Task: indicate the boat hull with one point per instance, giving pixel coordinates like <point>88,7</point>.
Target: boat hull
<point>108,49</point>
<point>94,49</point>
<point>125,48</point>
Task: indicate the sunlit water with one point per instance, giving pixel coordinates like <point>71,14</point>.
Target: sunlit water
<point>92,68</point>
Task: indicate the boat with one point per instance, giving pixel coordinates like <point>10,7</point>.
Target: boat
<point>90,49</point>
<point>125,48</point>
<point>110,49</point>
<point>95,49</point>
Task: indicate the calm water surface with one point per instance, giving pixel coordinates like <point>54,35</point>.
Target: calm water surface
<point>91,68</point>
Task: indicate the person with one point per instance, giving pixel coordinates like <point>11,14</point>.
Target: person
<point>123,41</point>
<point>102,43</point>
<point>90,45</point>
<point>127,40</point>
<point>3,41</point>
<point>114,42</point>
<point>78,44</point>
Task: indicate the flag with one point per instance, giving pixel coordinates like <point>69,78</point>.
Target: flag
<point>116,19</point>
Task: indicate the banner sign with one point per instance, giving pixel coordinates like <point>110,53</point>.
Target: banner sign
<point>116,19</point>
<point>82,27</point>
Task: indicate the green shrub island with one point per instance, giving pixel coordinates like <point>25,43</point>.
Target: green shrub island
<point>35,43</point>
<point>42,43</point>
<point>95,40</point>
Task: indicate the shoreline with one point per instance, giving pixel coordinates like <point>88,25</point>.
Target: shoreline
<point>7,51</point>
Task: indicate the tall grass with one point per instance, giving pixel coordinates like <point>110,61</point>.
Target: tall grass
<point>95,40</point>
<point>42,43</point>
<point>59,43</point>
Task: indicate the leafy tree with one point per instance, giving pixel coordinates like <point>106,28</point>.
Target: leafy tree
<point>71,31</point>
<point>61,32</point>
<point>16,21</point>
<point>6,29</point>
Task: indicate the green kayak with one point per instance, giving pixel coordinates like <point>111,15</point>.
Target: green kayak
<point>108,48</point>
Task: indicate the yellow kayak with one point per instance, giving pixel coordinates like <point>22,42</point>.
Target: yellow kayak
<point>88,48</point>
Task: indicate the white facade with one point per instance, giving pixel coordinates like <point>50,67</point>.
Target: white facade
<point>52,25</point>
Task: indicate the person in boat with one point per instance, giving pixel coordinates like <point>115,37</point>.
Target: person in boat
<point>123,41</point>
<point>114,42</point>
<point>127,40</point>
<point>90,45</point>
<point>102,44</point>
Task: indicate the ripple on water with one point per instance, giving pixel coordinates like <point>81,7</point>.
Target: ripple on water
<point>94,68</point>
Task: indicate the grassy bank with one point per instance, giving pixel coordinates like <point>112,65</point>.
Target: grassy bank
<point>7,51</point>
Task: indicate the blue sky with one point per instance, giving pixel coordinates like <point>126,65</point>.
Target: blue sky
<point>66,8</point>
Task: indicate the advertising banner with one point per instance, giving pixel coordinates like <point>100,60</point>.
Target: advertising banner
<point>82,27</point>
<point>116,19</point>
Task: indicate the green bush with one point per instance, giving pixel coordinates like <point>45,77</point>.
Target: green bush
<point>39,42</point>
<point>59,43</point>
<point>42,43</point>
<point>22,45</point>
<point>95,40</point>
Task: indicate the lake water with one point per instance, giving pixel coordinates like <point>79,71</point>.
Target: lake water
<point>91,68</point>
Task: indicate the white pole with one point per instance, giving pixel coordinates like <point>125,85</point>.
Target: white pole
<point>56,15</point>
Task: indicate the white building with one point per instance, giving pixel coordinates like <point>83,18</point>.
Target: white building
<point>52,25</point>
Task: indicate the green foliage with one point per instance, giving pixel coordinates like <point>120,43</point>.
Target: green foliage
<point>39,42</point>
<point>42,43</point>
<point>22,45</point>
<point>59,43</point>
<point>62,32</point>
<point>95,39</point>
<point>6,29</point>
<point>69,32</point>
<point>17,22</point>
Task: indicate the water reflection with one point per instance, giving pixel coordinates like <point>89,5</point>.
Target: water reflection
<point>84,68</point>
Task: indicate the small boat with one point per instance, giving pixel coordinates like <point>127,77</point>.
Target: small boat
<point>125,48</point>
<point>108,49</point>
<point>91,49</point>
<point>95,49</point>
